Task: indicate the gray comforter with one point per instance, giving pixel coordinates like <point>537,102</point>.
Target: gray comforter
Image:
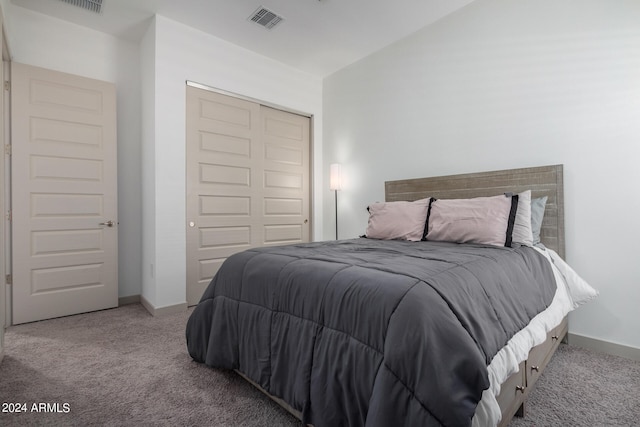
<point>368,332</point>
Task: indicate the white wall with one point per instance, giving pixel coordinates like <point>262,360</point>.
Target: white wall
<point>183,53</point>
<point>504,84</point>
<point>42,41</point>
<point>148,134</point>
<point>150,79</point>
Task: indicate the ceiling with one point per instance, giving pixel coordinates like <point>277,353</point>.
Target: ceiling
<point>316,36</point>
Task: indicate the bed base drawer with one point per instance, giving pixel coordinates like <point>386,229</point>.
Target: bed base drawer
<point>540,355</point>
<point>512,393</point>
<point>517,387</point>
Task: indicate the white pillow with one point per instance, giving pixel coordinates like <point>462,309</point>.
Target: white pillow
<point>522,232</point>
<point>397,220</point>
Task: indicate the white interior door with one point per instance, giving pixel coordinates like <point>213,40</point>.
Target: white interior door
<point>247,181</point>
<point>64,194</point>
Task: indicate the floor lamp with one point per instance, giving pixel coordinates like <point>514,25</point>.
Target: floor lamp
<point>335,184</point>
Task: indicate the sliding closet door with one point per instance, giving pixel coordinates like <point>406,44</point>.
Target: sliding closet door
<point>285,167</point>
<point>247,181</point>
<point>222,192</point>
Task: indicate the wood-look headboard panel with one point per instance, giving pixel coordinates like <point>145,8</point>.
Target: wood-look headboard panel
<point>542,181</point>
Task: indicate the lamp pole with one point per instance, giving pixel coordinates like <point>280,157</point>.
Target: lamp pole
<point>335,184</point>
<point>336,192</point>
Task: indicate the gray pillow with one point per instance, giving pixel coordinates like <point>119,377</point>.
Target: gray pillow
<point>537,213</point>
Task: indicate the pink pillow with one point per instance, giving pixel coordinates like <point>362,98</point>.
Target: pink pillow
<point>397,220</point>
<point>484,220</point>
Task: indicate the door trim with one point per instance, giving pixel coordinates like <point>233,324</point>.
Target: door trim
<point>4,246</point>
<point>6,192</point>
<point>248,98</point>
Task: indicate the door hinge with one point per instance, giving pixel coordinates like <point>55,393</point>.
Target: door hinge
<point>7,149</point>
<point>7,85</point>
<point>8,279</point>
<point>9,216</point>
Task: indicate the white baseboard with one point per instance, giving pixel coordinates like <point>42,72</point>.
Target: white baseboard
<point>604,346</point>
<point>163,311</point>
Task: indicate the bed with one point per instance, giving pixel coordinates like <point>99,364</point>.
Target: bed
<point>337,332</point>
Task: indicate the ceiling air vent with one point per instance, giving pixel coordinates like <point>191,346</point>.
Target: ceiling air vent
<point>94,6</point>
<point>265,17</point>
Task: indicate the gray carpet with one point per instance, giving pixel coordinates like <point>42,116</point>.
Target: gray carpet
<point>124,367</point>
<point>583,388</point>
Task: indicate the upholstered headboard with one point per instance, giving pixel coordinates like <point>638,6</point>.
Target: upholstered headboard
<point>542,181</point>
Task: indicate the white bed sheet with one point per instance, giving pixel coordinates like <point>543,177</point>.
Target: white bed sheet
<point>571,292</point>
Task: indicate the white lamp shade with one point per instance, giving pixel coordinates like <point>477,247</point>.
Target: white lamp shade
<point>335,178</point>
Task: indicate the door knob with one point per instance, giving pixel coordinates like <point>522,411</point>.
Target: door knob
<point>108,223</point>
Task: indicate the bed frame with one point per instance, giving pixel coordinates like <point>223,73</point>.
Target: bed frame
<point>542,181</point>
